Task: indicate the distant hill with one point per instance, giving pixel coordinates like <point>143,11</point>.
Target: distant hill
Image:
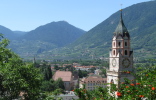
<point>19,33</point>
<point>140,20</point>
<point>7,33</point>
<point>59,33</point>
<point>45,38</point>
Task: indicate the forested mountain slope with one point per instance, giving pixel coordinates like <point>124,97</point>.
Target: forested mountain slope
<point>45,38</point>
<point>140,20</point>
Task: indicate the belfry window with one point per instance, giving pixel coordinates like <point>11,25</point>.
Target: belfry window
<point>125,52</point>
<point>125,43</point>
<point>119,44</point>
<point>114,52</point>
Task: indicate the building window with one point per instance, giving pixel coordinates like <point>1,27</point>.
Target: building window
<point>114,52</point>
<point>125,52</point>
<point>119,44</point>
<point>125,43</point>
<point>114,44</point>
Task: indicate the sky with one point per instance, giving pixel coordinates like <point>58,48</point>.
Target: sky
<point>26,15</point>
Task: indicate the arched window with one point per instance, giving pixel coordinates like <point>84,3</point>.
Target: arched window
<point>125,52</point>
<point>114,52</point>
<point>125,43</point>
<point>119,43</point>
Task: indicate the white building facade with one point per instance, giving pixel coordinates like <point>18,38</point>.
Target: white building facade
<point>93,82</point>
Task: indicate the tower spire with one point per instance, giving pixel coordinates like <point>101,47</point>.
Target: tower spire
<point>121,28</point>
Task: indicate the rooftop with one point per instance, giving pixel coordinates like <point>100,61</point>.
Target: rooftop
<point>95,79</point>
<point>65,75</point>
<point>121,28</point>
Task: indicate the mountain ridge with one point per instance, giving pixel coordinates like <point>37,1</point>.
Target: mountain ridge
<point>7,33</point>
<point>46,37</point>
<point>59,30</point>
<point>140,22</point>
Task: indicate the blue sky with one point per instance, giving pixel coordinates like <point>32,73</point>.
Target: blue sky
<point>26,15</point>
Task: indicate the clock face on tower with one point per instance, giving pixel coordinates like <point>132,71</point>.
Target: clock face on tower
<point>113,62</point>
<point>126,62</point>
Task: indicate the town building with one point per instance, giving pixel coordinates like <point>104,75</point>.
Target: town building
<point>84,68</point>
<point>67,78</point>
<point>93,82</point>
<point>121,56</point>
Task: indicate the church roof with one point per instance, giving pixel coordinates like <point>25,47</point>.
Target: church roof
<point>121,29</point>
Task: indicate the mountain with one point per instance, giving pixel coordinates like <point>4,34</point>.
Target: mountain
<point>140,20</point>
<point>44,38</point>
<point>59,33</point>
<point>7,33</point>
<point>19,33</point>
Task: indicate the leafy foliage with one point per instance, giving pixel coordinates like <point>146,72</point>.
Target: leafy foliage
<point>82,73</point>
<point>16,76</point>
<point>51,86</point>
<point>46,71</point>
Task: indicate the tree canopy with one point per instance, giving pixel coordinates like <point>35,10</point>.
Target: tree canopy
<point>16,76</point>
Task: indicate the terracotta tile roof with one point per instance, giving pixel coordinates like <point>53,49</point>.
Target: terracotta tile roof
<point>91,74</point>
<point>65,75</point>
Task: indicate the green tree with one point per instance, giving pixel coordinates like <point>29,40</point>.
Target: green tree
<point>58,91</point>
<point>92,70</point>
<point>52,85</point>
<point>47,73</point>
<point>16,76</point>
<point>48,85</point>
<point>59,83</point>
<point>56,67</point>
<point>82,73</point>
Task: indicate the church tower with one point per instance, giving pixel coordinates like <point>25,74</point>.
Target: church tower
<point>121,56</point>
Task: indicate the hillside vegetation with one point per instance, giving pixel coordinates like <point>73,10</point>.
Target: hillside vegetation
<point>59,33</point>
<point>140,20</point>
<point>45,38</point>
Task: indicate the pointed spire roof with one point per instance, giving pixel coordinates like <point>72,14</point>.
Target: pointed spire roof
<point>121,28</point>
